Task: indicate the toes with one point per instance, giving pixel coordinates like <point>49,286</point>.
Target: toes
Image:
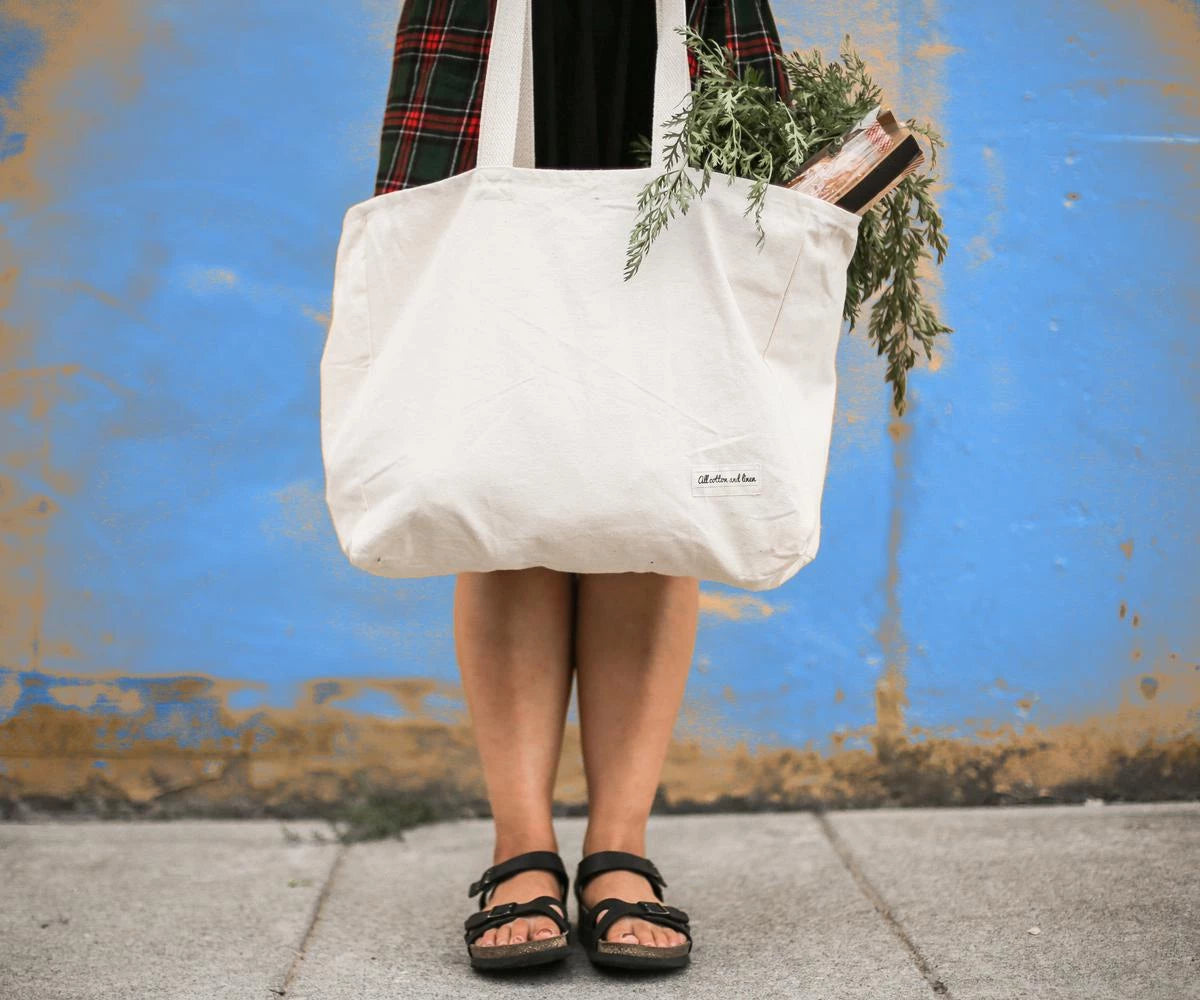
<point>623,931</point>
<point>517,930</point>
<point>631,930</point>
<point>645,933</point>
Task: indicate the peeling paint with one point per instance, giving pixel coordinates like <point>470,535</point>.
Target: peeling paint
<point>177,748</point>
<point>891,697</point>
<point>981,246</point>
<point>735,607</point>
<point>1174,30</point>
<point>102,38</point>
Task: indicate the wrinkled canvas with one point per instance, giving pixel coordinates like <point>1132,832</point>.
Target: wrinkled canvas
<point>495,394</point>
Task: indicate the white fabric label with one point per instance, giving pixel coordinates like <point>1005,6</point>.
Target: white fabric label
<point>725,480</point>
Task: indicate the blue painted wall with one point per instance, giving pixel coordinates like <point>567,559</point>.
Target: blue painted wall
<point>172,213</point>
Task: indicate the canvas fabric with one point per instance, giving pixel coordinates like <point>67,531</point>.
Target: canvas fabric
<point>495,395</point>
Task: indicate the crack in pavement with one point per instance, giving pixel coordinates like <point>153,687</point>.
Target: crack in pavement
<point>294,968</point>
<point>924,965</point>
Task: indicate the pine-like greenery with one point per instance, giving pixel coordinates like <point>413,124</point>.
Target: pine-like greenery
<point>737,126</point>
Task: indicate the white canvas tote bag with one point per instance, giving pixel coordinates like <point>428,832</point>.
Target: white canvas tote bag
<point>495,394</point>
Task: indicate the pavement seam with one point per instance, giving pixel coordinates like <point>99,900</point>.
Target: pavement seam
<point>323,895</point>
<point>875,897</point>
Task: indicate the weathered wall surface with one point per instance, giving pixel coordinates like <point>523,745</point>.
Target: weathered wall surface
<point>1005,604</point>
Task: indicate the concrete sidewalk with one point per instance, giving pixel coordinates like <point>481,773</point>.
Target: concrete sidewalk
<point>1092,902</point>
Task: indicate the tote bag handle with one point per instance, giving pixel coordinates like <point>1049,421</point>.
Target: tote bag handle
<point>506,116</point>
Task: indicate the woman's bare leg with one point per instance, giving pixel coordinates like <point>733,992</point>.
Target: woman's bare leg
<point>512,631</point>
<point>635,635</point>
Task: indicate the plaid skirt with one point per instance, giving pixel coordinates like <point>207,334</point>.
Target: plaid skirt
<point>431,122</point>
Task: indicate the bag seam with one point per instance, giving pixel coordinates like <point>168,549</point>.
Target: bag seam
<point>783,297</point>
<point>366,301</point>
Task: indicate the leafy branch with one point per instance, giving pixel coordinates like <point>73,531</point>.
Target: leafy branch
<point>738,127</point>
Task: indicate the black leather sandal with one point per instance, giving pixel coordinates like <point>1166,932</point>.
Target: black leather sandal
<point>522,953</point>
<point>591,931</point>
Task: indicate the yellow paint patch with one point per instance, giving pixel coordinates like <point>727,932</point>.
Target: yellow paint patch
<point>99,41</point>
<point>936,50</point>
<point>212,277</point>
<point>1185,96</point>
<point>319,316</point>
<point>303,511</point>
<point>980,245</point>
<point>1174,30</point>
<point>10,691</point>
<point>75,695</point>
<point>735,607</point>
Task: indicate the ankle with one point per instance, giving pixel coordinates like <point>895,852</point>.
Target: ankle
<point>510,845</point>
<point>630,841</point>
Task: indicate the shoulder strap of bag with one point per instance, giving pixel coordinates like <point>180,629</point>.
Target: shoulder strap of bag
<point>506,115</point>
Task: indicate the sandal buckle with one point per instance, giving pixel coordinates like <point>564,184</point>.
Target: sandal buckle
<point>502,908</point>
<point>484,883</point>
<point>651,907</point>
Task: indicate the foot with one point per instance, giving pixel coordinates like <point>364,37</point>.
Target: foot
<point>629,930</point>
<point>520,888</point>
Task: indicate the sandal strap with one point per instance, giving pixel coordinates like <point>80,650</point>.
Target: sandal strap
<point>530,860</point>
<point>607,861</point>
<point>502,913</point>
<point>656,913</point>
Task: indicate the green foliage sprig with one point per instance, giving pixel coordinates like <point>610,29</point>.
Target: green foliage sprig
<point>738,127</point>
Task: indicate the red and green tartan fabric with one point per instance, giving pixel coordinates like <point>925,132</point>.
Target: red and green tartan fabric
<point>431,123</point>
